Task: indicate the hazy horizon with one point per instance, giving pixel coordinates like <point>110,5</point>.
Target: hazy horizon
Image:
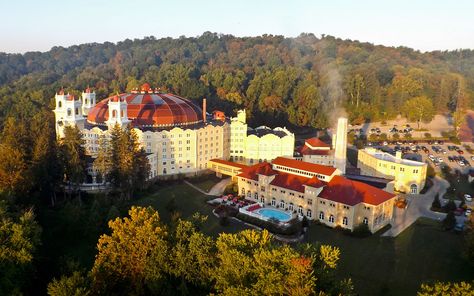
<point>422,25</point>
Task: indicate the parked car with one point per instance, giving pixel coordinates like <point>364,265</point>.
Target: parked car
<point>468,212</point>
<point>461,163</point>
<point>467,197</point>
<point>460,151</point>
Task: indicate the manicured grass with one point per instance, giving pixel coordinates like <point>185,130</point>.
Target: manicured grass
<point>398,266</point>
<point>205,182</point>
<point>187,201</point>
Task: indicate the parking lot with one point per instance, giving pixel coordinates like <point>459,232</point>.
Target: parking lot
<point>433,152</point>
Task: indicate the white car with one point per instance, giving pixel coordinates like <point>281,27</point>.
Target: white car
<point>461,163</point>
<point>467,197</point>
<point>468,212</point>
<point>440,159</point>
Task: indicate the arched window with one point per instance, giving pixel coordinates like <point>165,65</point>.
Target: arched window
<point>249,195</point>
<point>164,171</point>
<point>282,204</point>
<point>321,215</point>
<point>331,219</point>
<point>300,210</point>
<point>114,113</point>
<point>86,101</point>
<point>77,111</point>
<point>366,221</point>
<point>262,199</point>
<point>290,206</point>
<point>344,221</point>
<point>413,189</point>
<point>255,195</point>
<point>309,213</point>
<point>273,202</point>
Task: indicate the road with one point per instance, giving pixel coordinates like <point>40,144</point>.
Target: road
<point>418,206</point>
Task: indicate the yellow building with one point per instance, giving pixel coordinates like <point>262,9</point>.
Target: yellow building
<point>251,146</point>
<point>409,176</point>
<point>317,192</point>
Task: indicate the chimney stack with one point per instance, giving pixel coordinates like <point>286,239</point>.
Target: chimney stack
<point>341,145</point>
<point>204,106</point>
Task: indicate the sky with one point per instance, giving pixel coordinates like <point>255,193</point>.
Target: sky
<point>35,25</point>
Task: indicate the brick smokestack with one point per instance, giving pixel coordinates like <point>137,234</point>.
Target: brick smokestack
<point>204,106</point>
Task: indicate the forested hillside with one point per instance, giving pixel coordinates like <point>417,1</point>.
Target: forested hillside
<point>300,81</point>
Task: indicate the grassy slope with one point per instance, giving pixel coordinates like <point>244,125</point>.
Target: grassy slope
<point>379,265</point>
<point>421,253</point>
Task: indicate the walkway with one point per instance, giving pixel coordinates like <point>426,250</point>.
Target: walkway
<point>418,206</point>
<point>216,190</point>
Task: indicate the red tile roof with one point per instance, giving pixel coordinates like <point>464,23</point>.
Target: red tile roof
<point>305,150</point>
<point>349,192</point>
<point>315,142</point>
<point>295,182</point>
<point>304,166</point>
<point>229,163</point>
<point>252,172</point>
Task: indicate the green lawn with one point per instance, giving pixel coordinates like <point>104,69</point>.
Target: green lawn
<point>376,264</point>
<point>205,182</point>
<point>187,201</point>
<point>397,266</point>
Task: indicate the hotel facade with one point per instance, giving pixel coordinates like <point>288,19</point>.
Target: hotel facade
<point>316,192</point>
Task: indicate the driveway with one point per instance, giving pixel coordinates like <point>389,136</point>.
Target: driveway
<point>219,188</point>
<point>418,206</point>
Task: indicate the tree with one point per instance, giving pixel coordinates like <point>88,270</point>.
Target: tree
<point>134,256</point>
<point>122,162</point>
<point>72,158</point>
<point>396,136</point>
<point>450,221</point>
<point>446,288</point>
<point>436,204</point>
<point>419,109</point>
<point>19,239</point>
<point>75,285</point>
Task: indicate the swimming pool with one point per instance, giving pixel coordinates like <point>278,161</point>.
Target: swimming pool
<point>276,214</point>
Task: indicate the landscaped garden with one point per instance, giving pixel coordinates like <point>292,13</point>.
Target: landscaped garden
<point>377,265</point>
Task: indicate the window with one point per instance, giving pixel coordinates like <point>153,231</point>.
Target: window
<point>60,104</point>
<point>300,210</point>
<point>243,191</point>
<point>308,213</point>
<point>365,221</point>
<point>69,112</point>
<point>255,195</point>
<point>282,204</point>
<point>310,201</point>
<point>413,189</point>
<point>331,219</point>
<point>273,202</point>
<point>249,194</point>
<point>321,215</point>
<point>262,199</point>
<point>344,221</point>
<point>290,206</point>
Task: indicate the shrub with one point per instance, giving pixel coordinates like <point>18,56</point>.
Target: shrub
<point>232,188</point>
<point>408,136</point>
<point>450,221</point>
<point>436,205</point>
<point>427,135</point>
<point>383,136</point>
<point>450,206</point>
<point>396,136</point>
<point>361,230</point>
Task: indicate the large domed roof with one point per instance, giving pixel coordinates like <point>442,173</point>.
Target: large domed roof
<point>150,108</point>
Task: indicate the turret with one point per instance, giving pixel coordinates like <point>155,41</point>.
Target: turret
<point>117,112</point>
<point>88,100</point>
<point>68,111</point>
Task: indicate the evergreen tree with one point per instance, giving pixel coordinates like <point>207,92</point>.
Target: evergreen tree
<point>72,158</point>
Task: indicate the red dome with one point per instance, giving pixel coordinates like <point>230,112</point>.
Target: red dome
<point>148,109</point>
